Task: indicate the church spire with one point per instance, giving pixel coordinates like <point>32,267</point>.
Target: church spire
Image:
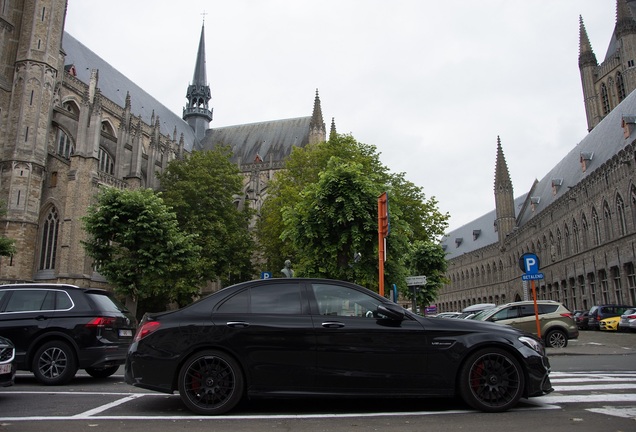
<point>317,129</point>
<point>504,197</point>
<point>196,112</point>
<point>586,54</point>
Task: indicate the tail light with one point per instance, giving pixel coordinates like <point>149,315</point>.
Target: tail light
<point>145,329</point>
<point>101,322</point>
<point>566,314</point>
<point>631,316</point>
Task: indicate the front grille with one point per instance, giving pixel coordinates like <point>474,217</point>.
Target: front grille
<point>6,354</point>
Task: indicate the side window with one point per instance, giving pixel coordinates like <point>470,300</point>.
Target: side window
<point>238,303</point>
<point>547,308</point>
<point>342,301</point>
<point>64,302</point>
<point>26,300</point>
<point>528,310</point>
<point>276,299</point>
<point>507,313</point>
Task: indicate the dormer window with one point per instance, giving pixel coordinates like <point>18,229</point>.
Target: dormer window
<point>556,184</point>
<point>534,202</point>
<point>476,234</point>
<point>458,241</point>
<point>628,123</point>
<point>586,160</point>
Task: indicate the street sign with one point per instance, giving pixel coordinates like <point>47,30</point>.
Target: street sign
<point>529,263</point>
<point>266,275</point>
<point>416,280</point>
<point>532,276</point>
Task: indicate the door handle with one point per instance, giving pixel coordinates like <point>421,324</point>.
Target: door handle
<point>332,324</point>
<point>238,324</point>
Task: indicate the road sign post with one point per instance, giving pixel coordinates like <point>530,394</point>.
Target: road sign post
<point>529,264</point>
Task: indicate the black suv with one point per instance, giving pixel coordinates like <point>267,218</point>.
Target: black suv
<point>58,329</point>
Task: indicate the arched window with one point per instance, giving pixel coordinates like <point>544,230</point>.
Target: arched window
<point>106,162</point>
<point>596,227</point>
<point>65,146</point>
<point>620,86</point>
<point>48,241</point>
<point>586,231</point>
<point>620,215</point>
<point>607,221</point>
<point>575,236</point>
<point>605,99</point>
<point>566,232</point>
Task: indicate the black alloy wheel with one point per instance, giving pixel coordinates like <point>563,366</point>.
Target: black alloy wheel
<point>54,363</point>
<point>211,382</point>
<point>491,380</point>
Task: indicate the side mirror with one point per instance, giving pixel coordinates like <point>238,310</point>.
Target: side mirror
<point>391,311</point>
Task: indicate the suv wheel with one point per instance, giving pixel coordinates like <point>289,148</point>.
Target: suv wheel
<point>556,339</point>
<point>54,363</point>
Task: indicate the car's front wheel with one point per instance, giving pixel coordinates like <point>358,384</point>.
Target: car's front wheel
<point>101,373</point>
<point>54,363</point>
<point>491,380</point>
<point>556,339</point>
<point>211,382</point>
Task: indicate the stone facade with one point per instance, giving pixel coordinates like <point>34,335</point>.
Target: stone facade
<point>580,219</point>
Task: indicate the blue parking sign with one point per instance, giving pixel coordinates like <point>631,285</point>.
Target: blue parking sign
<point>529,263</point>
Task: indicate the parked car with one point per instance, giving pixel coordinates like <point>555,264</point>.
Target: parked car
<point>58,329</point>
<point>609,324</point>
<point>555,320</point>
<point>470,311</point>
<point>448,315</point>
<point>314,337</point>
<point>600,312</point>
<point>628,320</point>
<point>7,362</point>
<point>580,318</point>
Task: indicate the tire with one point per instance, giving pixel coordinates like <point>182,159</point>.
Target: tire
<point>54,363</point>
<point>101,373</point>
<point>211,382</point>
<point>556,339</point>
<point>491,380</point>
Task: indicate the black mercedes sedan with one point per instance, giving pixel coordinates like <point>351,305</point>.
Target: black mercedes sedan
<point>294,337</point>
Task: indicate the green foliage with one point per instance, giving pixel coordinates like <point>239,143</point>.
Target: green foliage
<point>7,245</point>
<point>322,210</point>
<point>428,258</point>
<point>137,246</point>
<point>201,189</point>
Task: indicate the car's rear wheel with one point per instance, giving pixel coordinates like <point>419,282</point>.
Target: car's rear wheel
<point>491,380</point>
<point>100,373</point>
<point>54,363</point>
<point>211,382</point>
<point>556,339</point>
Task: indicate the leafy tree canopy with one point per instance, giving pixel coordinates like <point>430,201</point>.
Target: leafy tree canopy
<point>136,244</point>
<point>322,214</point>
<point>202,189</point>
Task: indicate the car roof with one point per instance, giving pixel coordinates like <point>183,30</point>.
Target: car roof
<point>52,286</point>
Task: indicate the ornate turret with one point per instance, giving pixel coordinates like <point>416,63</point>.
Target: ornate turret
<point>317,129</point>
<point>504,197</point>
<point>587,68</point>
<point>196,112</point>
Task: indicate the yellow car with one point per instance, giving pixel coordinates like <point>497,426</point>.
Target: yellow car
<point>610,324</point>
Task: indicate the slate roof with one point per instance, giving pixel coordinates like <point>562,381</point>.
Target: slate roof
<point>114,85</point>
<point>272,141</point>
<point>602,143</point>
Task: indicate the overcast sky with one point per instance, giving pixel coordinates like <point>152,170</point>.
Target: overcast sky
<point>430,83</point>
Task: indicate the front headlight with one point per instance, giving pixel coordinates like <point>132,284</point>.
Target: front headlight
<point>532,343</point>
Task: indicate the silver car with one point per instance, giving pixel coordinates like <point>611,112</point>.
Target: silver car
<point>628,320</point>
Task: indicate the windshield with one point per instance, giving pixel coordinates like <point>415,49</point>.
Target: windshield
<point>481,316</point>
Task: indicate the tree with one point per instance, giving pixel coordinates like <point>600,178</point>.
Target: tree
<point>322,212</point>
<point>202,191</point>
<point>135,242</point>
<point>7,245</point>
<point>428,258</point>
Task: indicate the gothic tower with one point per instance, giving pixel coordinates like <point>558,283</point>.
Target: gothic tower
<point>197,113</point>
<point>605,85</point>
<point>317,129</point>
<point>30,76</point>
<point>504,197</point>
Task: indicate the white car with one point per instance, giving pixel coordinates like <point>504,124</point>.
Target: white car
<point>628,320</point>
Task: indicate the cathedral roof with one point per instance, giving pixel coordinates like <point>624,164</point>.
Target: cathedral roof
<point>605,141</point>
<point>271,141</point>
<point>114,85</point>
